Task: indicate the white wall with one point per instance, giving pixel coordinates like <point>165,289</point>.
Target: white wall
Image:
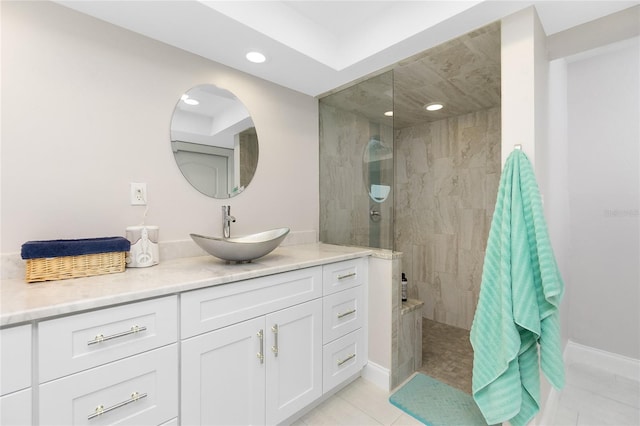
<point>525,101</point>
<point>380,322</point>
<point>556,199</point>
<point>521,55</point>
<point>587,166</point>
<point>86,109</point>
<point>603,93</point>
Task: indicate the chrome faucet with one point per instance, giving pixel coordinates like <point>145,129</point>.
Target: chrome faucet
<point>226,221</point>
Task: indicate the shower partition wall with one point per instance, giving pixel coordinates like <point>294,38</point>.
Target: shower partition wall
<point>356,165</point>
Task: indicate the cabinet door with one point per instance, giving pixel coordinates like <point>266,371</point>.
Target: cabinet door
<point>223,376</point>
<point>294,359</point>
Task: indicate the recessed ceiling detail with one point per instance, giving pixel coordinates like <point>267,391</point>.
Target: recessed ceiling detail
<point>317,46</point>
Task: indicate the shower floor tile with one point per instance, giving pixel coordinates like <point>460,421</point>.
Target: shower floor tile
<point>447,354</point>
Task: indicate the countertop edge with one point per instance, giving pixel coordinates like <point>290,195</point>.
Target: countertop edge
<point>133,284</point>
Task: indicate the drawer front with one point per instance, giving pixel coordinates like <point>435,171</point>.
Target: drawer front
<point>342,358</point>
<point>72,344</point>
<point>15,359</point>
<point>343,275</point>
<point>15,409</point>
<point>223,305</point>
<point>139,390</point>
<point>343,313</point>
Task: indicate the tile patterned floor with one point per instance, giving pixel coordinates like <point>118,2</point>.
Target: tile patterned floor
<point>359,404</point>
<point>595,397</point>
<point>591,396</point>
<point>447,354</point>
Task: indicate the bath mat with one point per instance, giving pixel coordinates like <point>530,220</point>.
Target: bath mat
<point>436,404</point>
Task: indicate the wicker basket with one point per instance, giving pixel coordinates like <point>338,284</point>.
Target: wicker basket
<point>86,265</point>
<point>59,259</point>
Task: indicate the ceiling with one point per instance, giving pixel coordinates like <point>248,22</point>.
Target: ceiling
<point>463,74</point>
<point>317,46</point>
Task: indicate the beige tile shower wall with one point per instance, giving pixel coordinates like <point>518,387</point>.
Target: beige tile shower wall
<point>447,175</point>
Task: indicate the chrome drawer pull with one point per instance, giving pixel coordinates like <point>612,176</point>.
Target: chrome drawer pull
<point>344,314</point>
<point>342,277</point>
<point>261,353</point>
<point>101,338</point>
<point>274,348</point>
<point>100,410</point>
<point>342,361</point>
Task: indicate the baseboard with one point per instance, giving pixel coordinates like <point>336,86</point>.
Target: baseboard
<point>575,353</point>
<point>613,363</point>
<point>378,375</point>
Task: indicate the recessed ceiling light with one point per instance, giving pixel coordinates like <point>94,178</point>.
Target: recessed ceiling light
<point>389,113</point>
<point>189,101</point>
<point>434,106</point>
<point>256,57</point>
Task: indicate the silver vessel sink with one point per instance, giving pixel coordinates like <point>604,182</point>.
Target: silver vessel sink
<point>242,249</point>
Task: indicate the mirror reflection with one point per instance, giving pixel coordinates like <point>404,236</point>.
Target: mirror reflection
<point>378,169</point>
<point>214,141</point>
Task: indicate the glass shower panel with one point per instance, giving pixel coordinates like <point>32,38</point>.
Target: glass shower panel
<point>356,165</point>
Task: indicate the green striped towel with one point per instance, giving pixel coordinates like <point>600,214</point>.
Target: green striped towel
<point>518,304</point>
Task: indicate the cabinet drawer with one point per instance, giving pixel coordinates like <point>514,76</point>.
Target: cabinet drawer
<point>342,275</point>
<point>15,359</point>
<point>142,389</point>
<point>343,313</point>
<point>212,308</point>
<point>71,344</point>
<point>342,358</point>
<point>15,409</point>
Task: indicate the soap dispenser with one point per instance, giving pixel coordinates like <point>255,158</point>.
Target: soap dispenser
<point>404,287</point>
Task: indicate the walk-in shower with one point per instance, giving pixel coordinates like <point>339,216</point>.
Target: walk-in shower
<point>419,182</point>
<point>396,176</point>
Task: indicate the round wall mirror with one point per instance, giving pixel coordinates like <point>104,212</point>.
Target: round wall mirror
<point>214,141</point>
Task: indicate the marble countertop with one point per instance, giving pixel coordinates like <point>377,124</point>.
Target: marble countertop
<point>21,302</point>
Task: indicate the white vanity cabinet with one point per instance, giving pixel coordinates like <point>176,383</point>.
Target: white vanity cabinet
<point>15,377</point>
<point>239,347</point>
<point>344,317</point>
<point>114,365</point>
<point>262,362</point>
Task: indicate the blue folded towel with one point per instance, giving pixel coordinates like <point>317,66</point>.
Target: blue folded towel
<point>60,248</point>
<point>518,304</point>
